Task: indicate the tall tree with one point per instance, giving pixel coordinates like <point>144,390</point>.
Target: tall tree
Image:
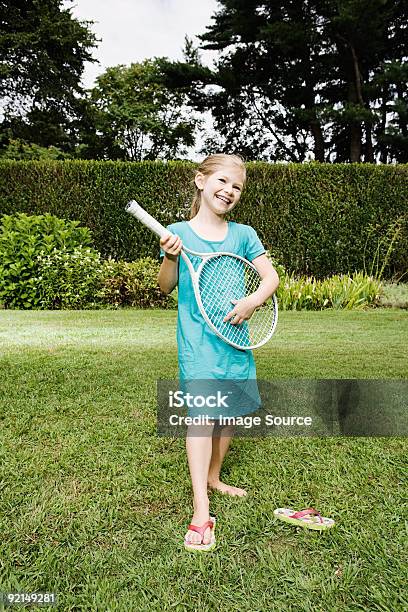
<point>132,115</point>
<point>326,75</point>
<point>368,35</point>
<point>43,50</point>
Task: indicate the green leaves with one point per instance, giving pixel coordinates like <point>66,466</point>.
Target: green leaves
<point>17,149</point>
<point>302,79</point>
<point>136,117</point>
<point>47,263</point>
<point>319,219</point>
<point>68,279</point>
<point>22,239</point>
<point>133,284</point>
<point>43,51</point>
<point>340,291</point>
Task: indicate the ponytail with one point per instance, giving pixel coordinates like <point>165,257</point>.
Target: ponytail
<point>195,204</point>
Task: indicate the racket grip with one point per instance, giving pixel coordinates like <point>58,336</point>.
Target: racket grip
<point>140,213</point>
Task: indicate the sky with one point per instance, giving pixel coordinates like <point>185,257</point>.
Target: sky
<point>133,30</point>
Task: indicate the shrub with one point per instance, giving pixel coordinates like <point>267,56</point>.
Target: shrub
<point>18,149</point>
<point>22,239</point>
<point>69,279</point>
<point>133,284</point>
<point>394,295</point>
<point>339,292</point>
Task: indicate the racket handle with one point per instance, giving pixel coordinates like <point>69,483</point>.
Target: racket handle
<point>140,213</point>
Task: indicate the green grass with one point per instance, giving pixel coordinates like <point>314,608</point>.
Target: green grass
<point>95,506</point>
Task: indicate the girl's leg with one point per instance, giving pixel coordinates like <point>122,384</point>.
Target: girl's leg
<point>222,437</point>
<point>199,449</point>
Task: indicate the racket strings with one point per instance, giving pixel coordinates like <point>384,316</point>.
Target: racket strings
<point>226,278</point>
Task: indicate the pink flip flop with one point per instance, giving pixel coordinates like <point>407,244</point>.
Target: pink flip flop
<point>200,546</point>
<point>309,518</point>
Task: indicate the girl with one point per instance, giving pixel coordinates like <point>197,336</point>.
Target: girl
<point>202,355</point>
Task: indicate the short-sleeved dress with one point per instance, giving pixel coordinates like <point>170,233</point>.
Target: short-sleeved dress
<point>203,357</point>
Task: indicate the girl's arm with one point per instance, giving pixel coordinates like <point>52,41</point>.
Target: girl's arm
<point>270,280</point>
<point>245,307</point>
<point>168,273</point>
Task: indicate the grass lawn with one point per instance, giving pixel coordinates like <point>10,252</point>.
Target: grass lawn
<point>94,506</point>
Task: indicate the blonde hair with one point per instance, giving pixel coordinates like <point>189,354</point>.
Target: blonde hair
<point>207,167</point>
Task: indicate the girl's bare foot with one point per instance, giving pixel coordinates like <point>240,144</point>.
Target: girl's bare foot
<point>226,489</point>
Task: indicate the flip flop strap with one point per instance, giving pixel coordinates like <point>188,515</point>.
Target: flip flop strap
<point>305,512</point>
<point>201,530</point>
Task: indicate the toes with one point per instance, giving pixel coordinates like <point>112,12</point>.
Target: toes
<point>235,491</point>
<point>207,536</point>
<point>229,490</point>
<point>192,537</point>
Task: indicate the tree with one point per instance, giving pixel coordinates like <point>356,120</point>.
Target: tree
<point>369,37</point>
<point>19,150</point>
<point>322,74</point>
<point>43,50</point>
<point>133,116</point>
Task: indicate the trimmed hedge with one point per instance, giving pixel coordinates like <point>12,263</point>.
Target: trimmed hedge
<point>317,219</point>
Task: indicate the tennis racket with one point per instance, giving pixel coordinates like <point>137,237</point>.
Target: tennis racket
<point>219,279</point>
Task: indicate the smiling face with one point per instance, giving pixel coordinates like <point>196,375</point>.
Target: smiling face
<point>221,190</point>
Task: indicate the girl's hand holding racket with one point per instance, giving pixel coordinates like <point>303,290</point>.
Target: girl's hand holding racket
<point>171,245</point>
<point>243,310</point>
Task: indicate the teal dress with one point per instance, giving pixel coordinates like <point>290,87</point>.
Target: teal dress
<point>207,363</point>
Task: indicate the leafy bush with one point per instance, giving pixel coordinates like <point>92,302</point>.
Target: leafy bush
<point>133,284</point>
<point>22,239</point>
<point>394,295</point>
<point>388,238</point>
<point>69,279</point>
<point>339,292</point>
<point>18,149</point>
<point>46,262</point>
